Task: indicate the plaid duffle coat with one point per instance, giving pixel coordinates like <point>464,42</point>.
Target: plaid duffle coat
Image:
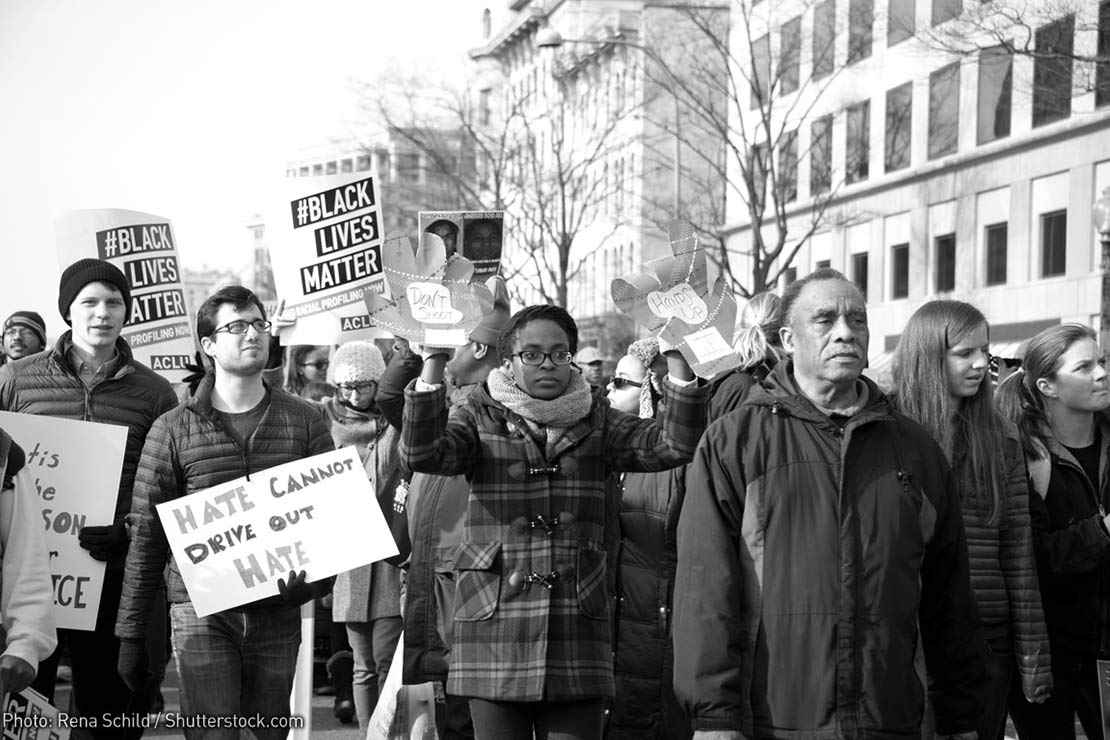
<point>532,595</point>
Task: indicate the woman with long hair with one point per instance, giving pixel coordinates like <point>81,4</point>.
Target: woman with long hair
<point>757,342</point>
<point>306,363</point>
<point>941,380</point>
<point>1058,400</point>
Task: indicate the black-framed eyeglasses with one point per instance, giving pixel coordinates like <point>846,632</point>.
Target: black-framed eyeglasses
<point>621,383</point>
<point>356,387</point>
<point>240,326</point>
<point>319,364</point>
<point>535,357</point>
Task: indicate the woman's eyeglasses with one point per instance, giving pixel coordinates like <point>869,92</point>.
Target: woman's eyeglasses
<point>356,387</point>
<point>621,383</point>
<point>319,364</point>
<point>535,357</point>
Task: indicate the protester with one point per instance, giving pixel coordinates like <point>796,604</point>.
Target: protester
<point>367,599</point>
<point>238,661</point>
<point>24,334</point>
<point>644,705</point>
<point>820,534</point>
<point>91,375</point>
<point>532,645</point>
<point>1059,400</point>
<point>26,596</point>
<point>758,345</point>
<point>941,382</point>
<point>306,364</point>
<point>592,365</point>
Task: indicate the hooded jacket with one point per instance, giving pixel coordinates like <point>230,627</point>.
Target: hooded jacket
<point>810,554</point>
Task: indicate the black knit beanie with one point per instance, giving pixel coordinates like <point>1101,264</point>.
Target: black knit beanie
<point>81,273</point>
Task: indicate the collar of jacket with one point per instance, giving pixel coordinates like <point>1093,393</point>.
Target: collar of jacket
<point>200,402</point>
<point>1040,469</point>
<point>60,356</point>
<point>780,390</point>
<point>574,434</point>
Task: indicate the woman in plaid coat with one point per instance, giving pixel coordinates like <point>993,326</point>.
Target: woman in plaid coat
<point>532,645</point>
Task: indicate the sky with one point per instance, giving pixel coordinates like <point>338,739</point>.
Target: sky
<point>186,109</point>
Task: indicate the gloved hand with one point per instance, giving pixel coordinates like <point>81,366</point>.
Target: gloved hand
<point>16,674</point>
<point>103,543</point>
<point>132,663</point>
<point>296,590</point>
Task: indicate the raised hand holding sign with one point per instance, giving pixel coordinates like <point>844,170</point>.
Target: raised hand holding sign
<point>671,298</point>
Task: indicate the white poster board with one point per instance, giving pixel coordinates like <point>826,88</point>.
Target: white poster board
<point>143,247</point>
<point>29,716</point>
<point>233,542</point>
<point>75,467</point>
<point>325,238</point>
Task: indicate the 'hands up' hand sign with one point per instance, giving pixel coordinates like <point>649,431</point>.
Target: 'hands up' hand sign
<point>434,301</point>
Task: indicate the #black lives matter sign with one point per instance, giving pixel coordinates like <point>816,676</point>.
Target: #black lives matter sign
<point>143,247</point>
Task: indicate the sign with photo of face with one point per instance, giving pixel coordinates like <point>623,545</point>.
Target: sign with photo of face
<point>476,235</point>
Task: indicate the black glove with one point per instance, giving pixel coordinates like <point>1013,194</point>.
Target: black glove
<point>296,590</point>
<point>132,663</point>
<point>104,543</point>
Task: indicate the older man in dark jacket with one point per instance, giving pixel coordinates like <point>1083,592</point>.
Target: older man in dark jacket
<point>90,375</point>
<point>239,661</point>
<point>821,533</point>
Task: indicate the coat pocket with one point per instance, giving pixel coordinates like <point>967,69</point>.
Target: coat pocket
<point>478,586</point>
<point>592,598</point>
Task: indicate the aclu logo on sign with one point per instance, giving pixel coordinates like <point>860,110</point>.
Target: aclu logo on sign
<point>169,362</point>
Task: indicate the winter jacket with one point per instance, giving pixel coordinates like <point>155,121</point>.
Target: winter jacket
<point>532,594</point>
<point>1004,570</point>
<point>1073,548</point>
<point>188,450</point>
<point>809,556</point>
<point>645,706</point>
<point>728,390</point>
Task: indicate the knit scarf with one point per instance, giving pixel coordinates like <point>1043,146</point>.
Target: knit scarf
<point>547,419</point>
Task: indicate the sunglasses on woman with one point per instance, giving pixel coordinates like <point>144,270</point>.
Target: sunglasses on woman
<point>620,383</point>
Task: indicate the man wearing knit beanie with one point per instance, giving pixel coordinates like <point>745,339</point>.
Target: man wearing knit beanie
<point>91,375</point>
<point>24,334</point>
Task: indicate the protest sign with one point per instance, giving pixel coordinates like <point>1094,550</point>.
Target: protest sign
<point>434,301</point>
<point>671,299</point>
<point>143,247</point>
<point>476,235</point>
<point>325,239</point>
<point>29,716</point>
<point>75,468</point>
<point>232,542</point>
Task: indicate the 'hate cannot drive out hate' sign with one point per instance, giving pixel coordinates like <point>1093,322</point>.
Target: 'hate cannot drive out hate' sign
<point>233,542</point>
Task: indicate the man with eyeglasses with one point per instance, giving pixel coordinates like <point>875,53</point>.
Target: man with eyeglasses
<point>91,375</point>
<point>239,661</point>
<point>24,334</point>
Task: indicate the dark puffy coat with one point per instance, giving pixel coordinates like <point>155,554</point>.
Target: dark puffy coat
<point>645,705</point>
<point>726,391</point>
<point>187,451</point>
<point>521,641</point>
<point>809,556</point>
<point>1073,548</point>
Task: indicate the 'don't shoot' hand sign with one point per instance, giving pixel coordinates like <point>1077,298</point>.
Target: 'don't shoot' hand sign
<point>671,298</point>
<point>434,302</point>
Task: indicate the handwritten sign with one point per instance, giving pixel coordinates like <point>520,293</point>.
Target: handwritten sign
<point>144,248</point>
<point>75,466</point>
<point>29,716</point>
<point>679,302</point>
<point>233,542</point>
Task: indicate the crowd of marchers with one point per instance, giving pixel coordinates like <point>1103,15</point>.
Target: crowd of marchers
<point>784,550</point>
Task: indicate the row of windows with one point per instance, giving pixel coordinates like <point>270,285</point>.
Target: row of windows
<point>1053,257</point>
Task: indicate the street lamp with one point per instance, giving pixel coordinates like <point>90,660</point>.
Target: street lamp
<point>1100,215</point>
<point>548,38</point>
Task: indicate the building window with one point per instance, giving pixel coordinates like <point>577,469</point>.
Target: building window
<point>383,164</point>
<point>1054,238</point>
<point>760,163</point>
<point>822,264</point>
<point>997,236</point>
<point>996,80</point>
<point>900,271</point>
<point>1102,67</point>
<point>317,170</point>
<point>820,155</point>
<point>408,167</point>
<point>1052,68</point>
<point>789,275</point>
<point>332,167</point>
<point>484,110</point>
<point>347,165</point>
<point>788,167</point>
<point>859,272</point>
<point>824,38</point>
<point>363,162</point>
<point>861,17</point>
<point>761,70</point>
<point>945,263</point>
<point>944,110</point>
<point>790,48</point>
<point>859,144</point>
<point>900,21</point>
<point>946,10</point>
<point>899,114</point>
<point>304,171</point>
